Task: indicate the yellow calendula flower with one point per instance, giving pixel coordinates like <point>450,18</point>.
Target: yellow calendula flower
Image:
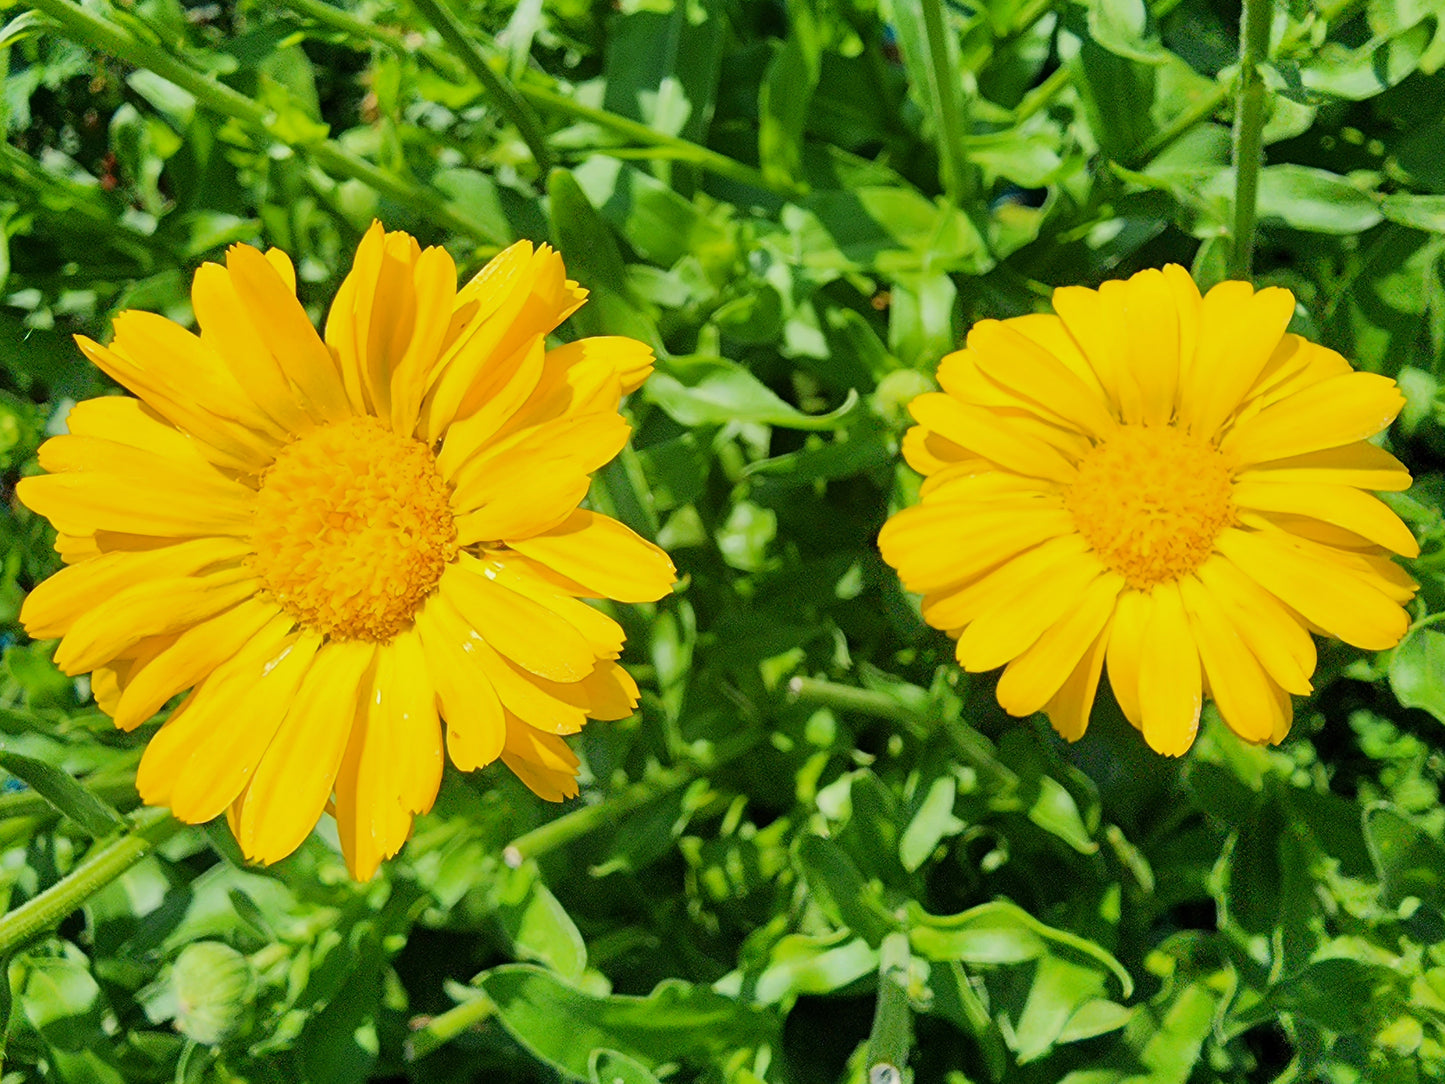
<point>344,545</point>
<point>1167,483</point>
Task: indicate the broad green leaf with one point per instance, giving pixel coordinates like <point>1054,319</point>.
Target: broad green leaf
<point>930,824</point>
<point>1119,26</point>
<point>561,1026</point>
<point>1409,862</point>
<point>804,964</point>
<point>1417,670</point>
<point>703,390</point>
<point>1420,212</point>
<point>60,999</point>
<point>60,789</point>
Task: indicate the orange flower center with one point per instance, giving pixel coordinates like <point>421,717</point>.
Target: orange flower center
<point>353,530</point>
<point>1150,501</point>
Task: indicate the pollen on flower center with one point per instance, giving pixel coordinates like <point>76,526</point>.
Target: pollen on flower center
<point>353,530</point>
<point>1150,501</point>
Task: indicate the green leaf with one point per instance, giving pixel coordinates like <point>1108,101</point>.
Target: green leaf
<point>612,1067</point>
<point>930,824</point>
<point>1119,25</point>
<point>1419,212</point>
<point>61,1000</point>
<point>561,1025</point>
<point>62,791</point>
<point>1417,670</point>
<point>806,964</point>
<point>786,93</point>
<point>1409,862</point>
<point>537,924</point>
<point>838,887</point>
<point>1305,198</point>
<point>701,390</point>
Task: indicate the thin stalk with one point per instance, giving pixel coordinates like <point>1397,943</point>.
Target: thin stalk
<point>502,93</point>
<point>1199,111</point>
<point>580,822</point>
<point>657,144</point>
<point>1249,131</point>
<point>445,1027</point>
<point>892,1034</point>
<point>880,705</point>
<point>150,828</point>
<point>944,88</point>
<point>89,30</point>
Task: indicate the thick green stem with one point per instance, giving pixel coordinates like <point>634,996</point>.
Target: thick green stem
<point>506,98</point>
<point>89,30</point>
<point>1249,131</point>
<point>892,1033</point>
<point>944,91</point>
<point>150,827</point>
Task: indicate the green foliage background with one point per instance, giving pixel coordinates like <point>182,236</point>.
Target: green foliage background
<point>818,849</point>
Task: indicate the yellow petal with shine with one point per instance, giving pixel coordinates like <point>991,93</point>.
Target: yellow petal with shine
<point>150,608</point>
<point>293,780</point>
<point>508,385</point>
<point>954,608</point>
<point>207,751</point>
<point>57,603</point>
<point>473,714</point>
<point>91,501</point>
<point>1337,411</point>
<point>189,659</point>
<point>1342,506</point>
<point>611,693</point>
<point>392,767</point>
<point>604,635</point>
<point>604,556</point>
<point>1033,679</point>
<point>129,421</point>
<point>287,332</point>
<point>528,697</point>
<point>525,631</point>
<point>1170,682</point>
<point>1151,350</point>
<point>1346,606</point>
<point>1069,708</point>
<point>934,546</point>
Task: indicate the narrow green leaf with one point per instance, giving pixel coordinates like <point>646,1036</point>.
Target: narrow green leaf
<point>61,790</point>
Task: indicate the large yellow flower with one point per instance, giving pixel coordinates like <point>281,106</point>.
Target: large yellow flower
<point>340,544</point>
<point>1167,482</point>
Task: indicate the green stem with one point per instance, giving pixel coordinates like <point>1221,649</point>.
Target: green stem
<point>1249,131</point>
<point>506,98</point>
<point>1199,111</point>
<point>442,1029</point>
<point>880,705</point>
<point>580,822</point>
<point>89,30</point>
<point>891,1036</point>
<point>150,828</point>
<point>944,90</point>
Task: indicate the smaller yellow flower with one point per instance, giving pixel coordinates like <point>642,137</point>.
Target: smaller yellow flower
<point>1167,484</point>
<point>347,548</point>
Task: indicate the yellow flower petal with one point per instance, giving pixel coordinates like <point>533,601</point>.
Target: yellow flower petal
<point>1016,362</point>
<point>527,632</point>
<point>604,636</point>
<point>83,503</point>
<point>1151,351</point>
<point>1238,683</point>
<point>392,767</point>
<point>984,433</point>
<point>1273,634</point>
<point>954,608</point>
<point>152,607</point>
<point>294,778</point>
<point>1360,464</point>
<point>1125,652</point>
<point>188,658</point>
<point>201,759</point>
<point>542,761</point>
<point>1239,332</point>
<point>469,706</point>
<point>1333,412</point>
<point>934,546</point>
<point>1033,679</point>
<point>506,389</point>
<point>1012,625</point>
<point>1170,683</point>
<point>1342,506</point>
<point>1345,606</point>
<point>1069,708</point>
<point>608,558</point>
